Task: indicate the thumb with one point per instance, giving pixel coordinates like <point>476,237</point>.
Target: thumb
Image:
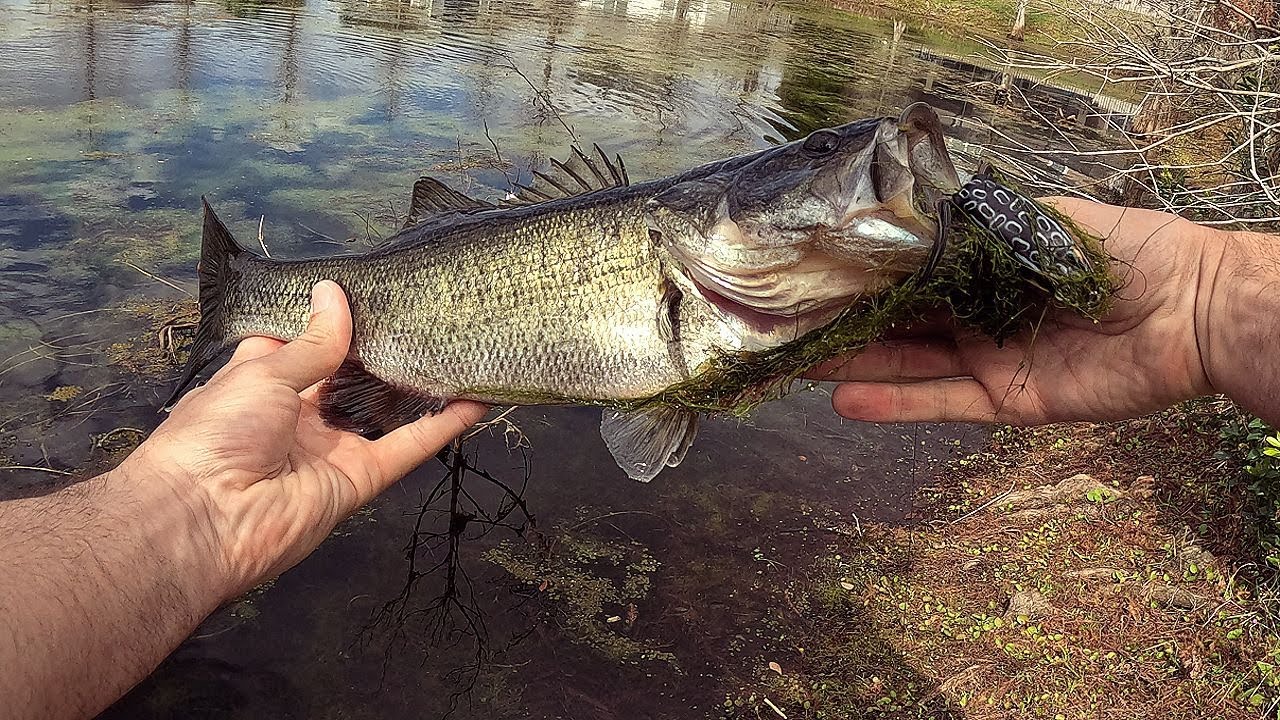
<point>315,354</point>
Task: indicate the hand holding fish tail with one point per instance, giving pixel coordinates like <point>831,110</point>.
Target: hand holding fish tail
<point>1192,318</point>
<point>106,577</point>
<point>251,451</point>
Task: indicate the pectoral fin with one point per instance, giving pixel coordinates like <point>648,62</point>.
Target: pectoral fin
<point>645,441</point>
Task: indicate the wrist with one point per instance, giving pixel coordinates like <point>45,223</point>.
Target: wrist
<point>1238,318</point>
<point>175,523</point>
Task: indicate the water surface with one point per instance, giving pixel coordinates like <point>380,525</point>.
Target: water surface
<point>314,118</point>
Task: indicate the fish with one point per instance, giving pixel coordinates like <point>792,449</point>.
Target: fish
<point>590,289</point>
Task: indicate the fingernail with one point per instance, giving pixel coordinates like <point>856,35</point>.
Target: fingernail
<point>321,298</point>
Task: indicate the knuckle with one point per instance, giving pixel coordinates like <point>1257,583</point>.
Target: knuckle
<point>316,337</point>
<point>423,439</point>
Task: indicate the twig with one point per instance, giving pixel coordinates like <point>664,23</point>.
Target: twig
<point>319,234</point>
<point>35,468</point>
<point>543,97</point>
<point>983,506</point>
<point>261,221</point>
<point>511,183</point>
<point>158,279</point>
<point>102,439</point>
<point>598,518</point>
<point>1209,90</point>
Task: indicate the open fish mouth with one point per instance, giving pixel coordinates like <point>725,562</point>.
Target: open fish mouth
<point>803,286</point>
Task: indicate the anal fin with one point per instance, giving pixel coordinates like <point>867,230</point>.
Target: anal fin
<point>356,400</point>
<point>643,442</point>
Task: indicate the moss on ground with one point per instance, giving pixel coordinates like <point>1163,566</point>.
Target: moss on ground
<point>1072,571</point>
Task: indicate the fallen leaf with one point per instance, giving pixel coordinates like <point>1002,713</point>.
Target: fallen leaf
<point>544,585</point>
<point>613,618</point>
<point>775,667</point>
<point>846,585</point>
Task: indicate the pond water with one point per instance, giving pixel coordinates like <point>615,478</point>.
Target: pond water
<point>313,117</point>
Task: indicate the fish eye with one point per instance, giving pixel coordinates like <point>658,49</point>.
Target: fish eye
<point>822,142</point>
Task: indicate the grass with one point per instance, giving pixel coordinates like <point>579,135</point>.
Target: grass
<point>1072,571</point>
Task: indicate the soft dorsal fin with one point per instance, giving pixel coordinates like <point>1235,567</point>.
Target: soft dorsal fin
<point>432,198</point>
<point>645,441</point>
<point>578,174</point>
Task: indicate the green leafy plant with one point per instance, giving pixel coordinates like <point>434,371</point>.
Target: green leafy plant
<point>1254,446</point>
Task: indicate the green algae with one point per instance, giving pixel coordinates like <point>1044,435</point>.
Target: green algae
<point>64,393</point>
<point>154,353</point>
<point>592,588</point>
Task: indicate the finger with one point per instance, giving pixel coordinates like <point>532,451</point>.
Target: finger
<point>895,361</point>
<point>252,348</point>
<point>249,349</point>
<point>951,400</point>
<point>408,446</point>
<point>314,355</point>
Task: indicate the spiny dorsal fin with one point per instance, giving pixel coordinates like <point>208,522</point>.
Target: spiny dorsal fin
<point>432,198</point>
<point>645,441</point>
<point>355,400</point>
<point>578,174</point>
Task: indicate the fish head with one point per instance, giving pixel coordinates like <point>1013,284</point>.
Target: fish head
<point>786,240</point>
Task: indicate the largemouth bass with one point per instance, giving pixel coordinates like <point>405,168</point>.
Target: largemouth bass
<point>603,292</point>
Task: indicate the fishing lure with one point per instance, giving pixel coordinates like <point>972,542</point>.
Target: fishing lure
<point>1038,240</point>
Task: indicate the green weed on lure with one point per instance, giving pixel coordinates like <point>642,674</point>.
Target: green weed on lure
<point>1055,255</point>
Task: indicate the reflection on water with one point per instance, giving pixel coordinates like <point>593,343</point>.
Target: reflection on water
<point>115,117</point>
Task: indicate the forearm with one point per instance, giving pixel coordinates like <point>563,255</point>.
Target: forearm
<point>98,583</point>
<point>1238,320</point>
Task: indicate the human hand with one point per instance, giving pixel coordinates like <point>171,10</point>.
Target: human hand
<point>1142,357</point>
<point>263,475</point>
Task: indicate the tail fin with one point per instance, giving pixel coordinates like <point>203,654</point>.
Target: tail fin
<point>217,251</point>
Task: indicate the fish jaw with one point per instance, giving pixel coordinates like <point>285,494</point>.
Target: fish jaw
<point>741,327</point>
